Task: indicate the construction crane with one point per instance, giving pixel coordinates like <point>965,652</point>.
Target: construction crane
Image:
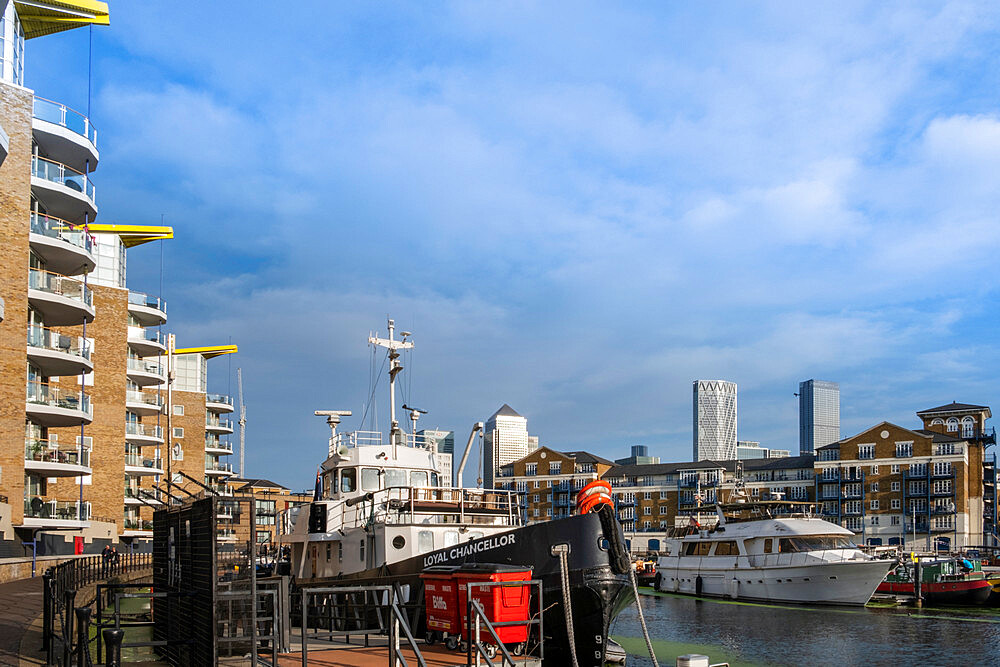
<point>242,422</point>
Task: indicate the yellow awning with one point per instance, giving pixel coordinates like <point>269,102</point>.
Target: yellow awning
<point>45,17</point>
<point>133,235</point>
<point>210,351</point>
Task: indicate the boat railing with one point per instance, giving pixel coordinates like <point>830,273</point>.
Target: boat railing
<point>358,439</point>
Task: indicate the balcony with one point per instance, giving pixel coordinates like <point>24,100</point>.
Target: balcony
<point>151,311</point>
<point>147,342</point>
<point>921,474</point>
<point>143,434</point>
<point>220,489</point>
<point>215,425</point>
<point>943,474</point>
<point>216,468</point>
<point>145,373</point>
<point>62,301</point>
<point>917,493</point>
<point>136,496</point>
<point>143,402</point>
<point>41,512</point>
<point>64,134</point>
<point>215,446</point>
<point>851,512</point>
<point>47,458</point>
<point>221,403</point>
<point>137,526</point>
<point>50,405</point>
<point>943,493</point>
<point>56,354</point>
<point>64,192</point>
<point>66,248</point>
<point>687,483</point>
<point>138,465</point>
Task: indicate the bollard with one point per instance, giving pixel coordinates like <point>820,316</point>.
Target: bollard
<point>113,639</point>
<point>69,597</point>
<point>82,633</point>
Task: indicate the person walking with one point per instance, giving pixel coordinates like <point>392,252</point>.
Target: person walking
<point>105,560</point>
<point>114,560</point>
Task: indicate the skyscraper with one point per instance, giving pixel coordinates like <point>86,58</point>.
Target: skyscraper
<point>819,414</point>
<point>444,451</point>
<point>505,439</point>
<point>714,420</point>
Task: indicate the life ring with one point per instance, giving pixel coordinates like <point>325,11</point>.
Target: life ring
<point>597,486</point>
<point>593,501</point>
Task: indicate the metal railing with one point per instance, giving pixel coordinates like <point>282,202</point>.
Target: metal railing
<point>143,366</point>
<point>60,114</point>
<point>42,393</point>
<point>135,428</point>
<point>137,524</point>
<point>57,228</point>
<point>213,442</point>
<point>139,334</point>
<point>60,285</point>
<point>357,439</point>
<point>479,623</point>
<point>218,423</point>
<point>40,507</point>
<point>139,461</point>
<point>47,339</point>
<point>147,300</point>
<point>48,451</point>
<point>219,398</point>
<point>57,172</point>
<point>146,398</point>
<point>215,466</point>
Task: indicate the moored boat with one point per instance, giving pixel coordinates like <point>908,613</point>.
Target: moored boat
<point>947,581</point>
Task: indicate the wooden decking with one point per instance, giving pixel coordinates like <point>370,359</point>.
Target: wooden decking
<point>360,656</point>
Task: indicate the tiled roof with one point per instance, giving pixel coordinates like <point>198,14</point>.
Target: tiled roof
<point>952,407</point>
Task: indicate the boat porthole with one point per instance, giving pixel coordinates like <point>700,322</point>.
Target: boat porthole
<point>399,541</point>
<point>833,577</point>
<point>806,579</point>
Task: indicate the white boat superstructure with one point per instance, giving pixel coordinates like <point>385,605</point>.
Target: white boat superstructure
<point>772,557</point>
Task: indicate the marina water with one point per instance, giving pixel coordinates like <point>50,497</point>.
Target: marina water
<point>770,634</point>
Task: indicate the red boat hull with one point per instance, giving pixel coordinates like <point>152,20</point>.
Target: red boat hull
<point>947,592</point>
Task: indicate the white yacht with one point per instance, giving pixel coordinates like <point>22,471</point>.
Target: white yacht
<point>773,551</point>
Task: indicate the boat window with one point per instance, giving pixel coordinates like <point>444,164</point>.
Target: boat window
<point>450,538</point>
<point>418,478</point>
<point>425,541</point>
<point>349,479</point>
<point>369,479</point>
<point>697,548</point>
<point>813,543</point>
<point>434,479</point>
<point>727,548</point>
<point>767,546</point>
<point>395,477</point>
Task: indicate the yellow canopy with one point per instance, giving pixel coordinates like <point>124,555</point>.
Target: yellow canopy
<point>45,17</point>
<point>209,351</point>
<point>133,235</point>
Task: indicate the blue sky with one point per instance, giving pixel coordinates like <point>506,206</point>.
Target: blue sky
<point>577,209</point>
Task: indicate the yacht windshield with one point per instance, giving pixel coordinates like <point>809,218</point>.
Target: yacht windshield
<point>347,480</point>
<point>395,477</point>
<point>813,543</point>
<point>418,478</point>
<point>369,479</point>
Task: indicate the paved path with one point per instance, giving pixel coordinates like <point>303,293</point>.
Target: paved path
<point>20,606</point>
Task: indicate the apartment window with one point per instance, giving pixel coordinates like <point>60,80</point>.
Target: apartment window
<point>873,487</point>
<point>647,510</point>
<point>919,505</point>
<point>904,449</point>
<point>648,495</point>
<point>918,488</point>
<point>534,498</point>
<point>852,507</point>
<point>853,524</point>
<point>663,509</point>
<point>873,520</point>
<point>179,410</point>
<point>852,490</point>
<point>895,520</point>
<point>897,486</point>
<point>874,470</point>
<point>945,448</point>
<point>531,469</point>
<point>647,524</point>
<point>873,505</point>
<point>798,493</point>
<point>895,468</point>
<point>942,486</point>
<point>178,431</point>
<point>555,467</point>
<point>534,512</point>
<point>829,454</point>
<point>866,451</point>
<point>952,424</point>
<point>663,524</point>
<point>968,427</point>
<point>943,468</point>
<point>535,485</point>
<point>918,470</point>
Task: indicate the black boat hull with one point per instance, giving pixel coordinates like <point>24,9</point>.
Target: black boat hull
<point>599,583</point>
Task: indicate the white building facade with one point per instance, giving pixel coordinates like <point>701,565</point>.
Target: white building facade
<point>819,414</point>
<point>714,420</point>
<point>505,440</point>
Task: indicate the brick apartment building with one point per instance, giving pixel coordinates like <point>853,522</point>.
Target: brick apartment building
<point>548,481</point>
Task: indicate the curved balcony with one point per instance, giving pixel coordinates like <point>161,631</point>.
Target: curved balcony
<point>145,373</point>
<point>216,425</point>
<point>218,403</point>
<point>215,446</point>
<point>47,458</point>
<point>63,191</point>
<point>151,311</point>
<point>62,301</point>
<point>65,247</point>
<point>50,405</point>
<point>147,342</point>
<point>137,527</point>
<point>136,496</point>
<point>56,354</point>
<point>65,134</point>
<point>219,469</point>
<point>142,434</point>
<point>143,465</point>
<point>42,512</point>
<point>143,403</point>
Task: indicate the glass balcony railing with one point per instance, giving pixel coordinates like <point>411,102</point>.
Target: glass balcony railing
<point>138,461</point>
<point>37,449</point>
<point>218,423</point>
<point>56,228</point>
<point>133,428</point>
<point>56,172</point>
<point>143,366</point>
<point>213,442</point>
<point>46,339</point>
<point>148,335</point>
<point>145,398</point>
<point>219,398</point>
<point>141,299</point>
<point>138,524</point>
<point>211,464</point>
<point>60,114</point>
<point>42,393</point>
<point>39,507</point>
<point>54,283</point>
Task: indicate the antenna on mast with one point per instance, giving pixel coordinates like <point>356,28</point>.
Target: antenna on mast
<point>393,345</point>
<point>242,422</point>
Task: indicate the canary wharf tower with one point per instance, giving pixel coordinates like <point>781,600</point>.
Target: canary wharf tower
<point>714,420</point>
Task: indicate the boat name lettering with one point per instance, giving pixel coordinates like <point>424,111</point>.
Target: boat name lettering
<point>469,549</point>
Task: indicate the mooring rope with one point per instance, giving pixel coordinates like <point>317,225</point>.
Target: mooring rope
<point>561,550</point>
<point>642,618</point>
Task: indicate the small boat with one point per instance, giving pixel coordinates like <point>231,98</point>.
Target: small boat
<point>949,581</point>
<point>645,572</point>
<point>774,551</point>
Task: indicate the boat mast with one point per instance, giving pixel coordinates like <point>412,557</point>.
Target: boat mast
<point>393,345</point>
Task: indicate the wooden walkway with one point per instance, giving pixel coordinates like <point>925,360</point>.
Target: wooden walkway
<point>360,656</point>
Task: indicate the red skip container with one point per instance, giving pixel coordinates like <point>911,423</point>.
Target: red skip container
<point>502,604</point>
<point>441,598</point>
